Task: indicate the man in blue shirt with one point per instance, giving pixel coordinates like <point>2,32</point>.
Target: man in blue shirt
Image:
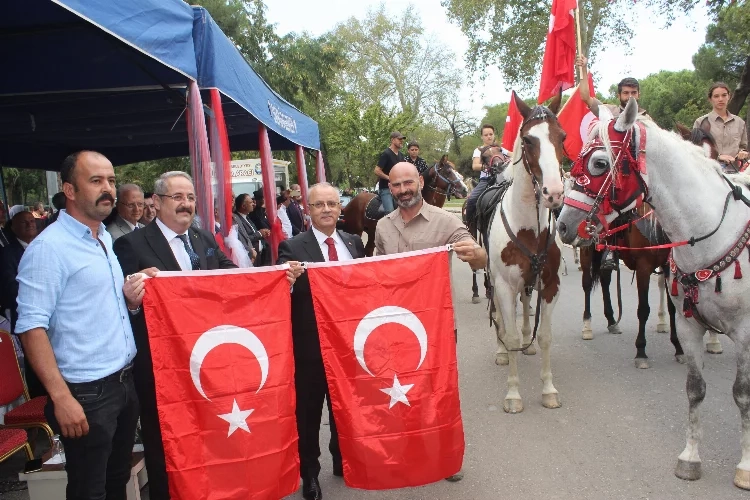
<point>74,325</point>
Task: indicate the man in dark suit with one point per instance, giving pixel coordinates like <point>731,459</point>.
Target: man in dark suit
<point>168,243</point>
<point>249,235</point>
<point>322,243</point>
<point>259,217</point>
<point>294,210</point>
<point>129,211</point>
<point>22,230</point>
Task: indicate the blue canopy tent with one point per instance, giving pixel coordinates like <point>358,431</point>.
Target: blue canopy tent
<point>109,76</point>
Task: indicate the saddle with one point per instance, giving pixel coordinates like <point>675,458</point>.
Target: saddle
<point>486,205</point>
<point>374,209</point>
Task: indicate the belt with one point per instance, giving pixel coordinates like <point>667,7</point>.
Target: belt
<point>117,376</point>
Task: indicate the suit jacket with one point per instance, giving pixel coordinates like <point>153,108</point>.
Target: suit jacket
<point>294,211</point>
<point>247,233</point>
<point>304,248</point>
<point>259,218</point>
<point>10,258</point>
<point>148,247</point>
<point>119,227</point>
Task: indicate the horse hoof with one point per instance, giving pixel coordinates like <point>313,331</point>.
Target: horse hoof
<point>551,401</point>
<point>614,329</point>
<point>513,406</point>
<point>475,299</point>
<point>587,334</point>
<point>662,328</point>
<point>530,351</point>
<point>680,358</point>
<point>501,358</point>
<point>742,479</point>
<point>714,348</point>
<point>689,471</point>
<point>641,363</point>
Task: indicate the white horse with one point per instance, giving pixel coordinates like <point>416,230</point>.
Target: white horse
<point>522,252</point>
<point>694,203</point>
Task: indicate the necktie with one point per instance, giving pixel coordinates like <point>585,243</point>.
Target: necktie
<point>332,255</point>
<point>195,261</point>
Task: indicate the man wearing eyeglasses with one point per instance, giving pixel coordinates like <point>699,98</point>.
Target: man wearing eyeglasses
<point>129,211</point>
<point>323,243</point>
<point>169,243</point>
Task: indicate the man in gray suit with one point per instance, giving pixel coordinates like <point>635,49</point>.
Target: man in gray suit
<point>129,210</point>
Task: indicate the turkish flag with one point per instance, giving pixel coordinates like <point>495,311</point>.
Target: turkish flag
<point>221,344</point>
<point>386,335</point>
<point>559,51</point>
<point>575,118</point>
<point>512,124</point>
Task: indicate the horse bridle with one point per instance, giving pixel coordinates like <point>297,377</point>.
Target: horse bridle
<point>443,192</point>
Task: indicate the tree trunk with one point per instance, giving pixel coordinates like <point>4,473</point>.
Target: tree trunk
<point>741,92</point>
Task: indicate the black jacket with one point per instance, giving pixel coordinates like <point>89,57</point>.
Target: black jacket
<point>304,248</point>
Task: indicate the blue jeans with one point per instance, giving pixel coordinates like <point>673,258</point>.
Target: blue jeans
<point>98,464</point>
<point>471,202</point>
<point>387,200</point>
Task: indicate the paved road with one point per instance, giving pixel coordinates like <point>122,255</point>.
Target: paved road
<point>617,435</point>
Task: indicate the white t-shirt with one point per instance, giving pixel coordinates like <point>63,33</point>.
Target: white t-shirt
<point>478,154</point>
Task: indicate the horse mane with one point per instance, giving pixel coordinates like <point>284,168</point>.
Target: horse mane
<point>698,135</point>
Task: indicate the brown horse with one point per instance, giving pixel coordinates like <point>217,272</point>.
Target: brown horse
<point>644,263</point>
<point>440,182</point>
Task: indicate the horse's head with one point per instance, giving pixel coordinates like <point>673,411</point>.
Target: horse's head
<point>700,136</point>
<point>541,149</point>
<point>493,158</point>
<point>444,180</point>
<point>610,177</point>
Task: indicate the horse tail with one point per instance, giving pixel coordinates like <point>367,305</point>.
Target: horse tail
<point>595,267</point>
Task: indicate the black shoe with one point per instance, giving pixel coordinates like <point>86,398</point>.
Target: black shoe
<point>311,489</point>
<point>338,470</point>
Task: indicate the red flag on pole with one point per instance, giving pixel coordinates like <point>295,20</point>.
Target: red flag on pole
<point>386,335</point>
<point>559,51</point>
<point>221,344</point>
<point>575,119</point>
<point>512,124</point>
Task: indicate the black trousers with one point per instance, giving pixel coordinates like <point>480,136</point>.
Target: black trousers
<point>153,448</point>
<point>98,464</point>
<point>311,387</point>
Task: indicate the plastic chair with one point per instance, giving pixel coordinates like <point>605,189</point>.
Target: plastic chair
<point>28,415</point>
<point>13,440</point>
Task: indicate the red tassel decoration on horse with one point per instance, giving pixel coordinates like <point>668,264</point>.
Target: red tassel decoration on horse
<point>717,288</point>
<point>674,287</point>
<point>687,309</point>
<point>737,270</point>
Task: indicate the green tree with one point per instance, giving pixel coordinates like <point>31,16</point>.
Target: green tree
<point>392,61</point>
<point>674,96</point>
<point>725,56</point>
<point>510,34</point>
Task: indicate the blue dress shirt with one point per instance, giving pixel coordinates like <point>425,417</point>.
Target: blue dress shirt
<point>72,288</point>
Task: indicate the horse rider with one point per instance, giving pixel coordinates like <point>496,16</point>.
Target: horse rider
<point>387,160</point>
<point>488,138</point>
<point>414,158</point>
<point>728,130</point>
<point>627,88</point>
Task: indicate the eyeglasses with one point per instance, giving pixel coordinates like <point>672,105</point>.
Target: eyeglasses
<point>133,205</point>
<point>179,197</point>
<point>320,204</point>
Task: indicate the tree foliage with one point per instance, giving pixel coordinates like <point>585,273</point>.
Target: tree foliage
<point>390,60</point>
<point>510,34</point>
<point>674,96</point>
<point>725,56</point>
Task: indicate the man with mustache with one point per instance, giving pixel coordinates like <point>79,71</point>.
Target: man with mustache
<point>416,225</point>
<point>129,211</point>
<point>169,243</point>
<point>73,324</point>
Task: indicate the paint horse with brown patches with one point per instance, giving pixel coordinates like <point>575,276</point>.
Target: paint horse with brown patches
<point>522,251</point>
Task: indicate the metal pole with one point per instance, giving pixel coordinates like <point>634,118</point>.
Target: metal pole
<point>222,155</point>
<point>302,176</point>
<point>269,190</point>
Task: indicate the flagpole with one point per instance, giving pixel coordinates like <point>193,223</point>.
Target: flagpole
<point>578,39</point>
